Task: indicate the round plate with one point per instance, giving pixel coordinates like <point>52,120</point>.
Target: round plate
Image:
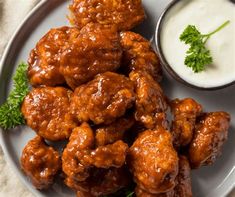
<point>212,181</point>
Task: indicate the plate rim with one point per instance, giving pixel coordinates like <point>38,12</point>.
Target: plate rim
<point>4,56</point>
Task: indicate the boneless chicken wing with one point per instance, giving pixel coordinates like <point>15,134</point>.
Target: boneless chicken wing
<point>80,143</point>
<point>138,55</point>
<point>185,112</point>
<point>95,50</point>
<point>102,182</point>
<point>103,99</point>
<point>80,155</point>
<point>124,14</point>
<point>94,171</point>
<point>142,193</point>
<point>40,163</point>
<point>44,59</point>
<point>75,56</point>
<point>153,161</point>
<point>210,134</point>
<point>46,110</point>
<point>111,155</point>
<point>183,186</point>
<point>150,101</point>
<point>109,134</point>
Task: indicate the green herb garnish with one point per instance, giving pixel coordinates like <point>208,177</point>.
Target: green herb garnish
<point>129,194</point>
<point>198,56</point>
<point>10,112</point>
<point>126,192</point>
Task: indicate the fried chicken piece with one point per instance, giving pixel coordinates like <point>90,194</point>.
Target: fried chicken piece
<point>150,102</point>
<point>84,194</point>
<point>95,50</point>
<point>124,14</point>
<point>141,193</point>
<point>112,155</point>
<point>46,111</point>
<point>67,54</point>
<point>153,161</point>
<point>40,163</point>
<point>101,182</point>
<point>138,55</point>
<point>183,186</point>
<point>103,99</point>
<point>109,134</point>
<point>80,143</point>
<point>44,59</point>
<point>210,134</point>
<point>79,156</point>
<point>185,113</point>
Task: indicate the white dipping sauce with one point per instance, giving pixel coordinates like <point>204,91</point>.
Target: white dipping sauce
<point>206,15</point>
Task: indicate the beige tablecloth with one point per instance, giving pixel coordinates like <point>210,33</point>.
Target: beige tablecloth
<point>12,13</point>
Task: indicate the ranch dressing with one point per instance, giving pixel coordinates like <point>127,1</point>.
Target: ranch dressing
<point>206,15</point>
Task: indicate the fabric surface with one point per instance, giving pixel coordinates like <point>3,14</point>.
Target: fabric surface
<point>12,13</point>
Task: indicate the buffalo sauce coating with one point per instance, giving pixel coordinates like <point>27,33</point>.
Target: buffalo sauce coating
<point>74,56</point>
<point>153,161</point>
<point>108,134</point>
<point>80,143</point>
<point>124,14</point>
<point>96,50</point>
<point>183,186</point>
<point>44,59</point>
<point>102,182</point>
<point>150,104</point>
<point>185,113</point>
<point>138,55</point>
<point>103,99</point>
<point>94,171</point>
<point>80,155</point>
<point>40,162</point>
<point>142,193</point>
<point>210,134</point>
<point>46,111</point>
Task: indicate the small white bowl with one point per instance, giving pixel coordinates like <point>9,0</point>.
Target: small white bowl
<point>164,62</point>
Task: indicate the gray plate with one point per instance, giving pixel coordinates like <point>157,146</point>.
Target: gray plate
<point>214,181</point>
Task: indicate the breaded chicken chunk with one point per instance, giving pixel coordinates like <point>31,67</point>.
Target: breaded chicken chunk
<point>150,104</point>
<point>40,162</point>
<point>94,171</point>
<point>138,55</point>
<point>183,186</point>
<point>185,112</point>
<point>153,161</point>
<point>95,50</point>
<point>75,56</point>
<point>109,134</point>
<point>103,99</point>
<point>44,59</point>
<point>124,14</point>
<point>80,154</point>
<point>210,134</point>
<point>101,182</point>
<point>142,193</point>
<point>46,111</point>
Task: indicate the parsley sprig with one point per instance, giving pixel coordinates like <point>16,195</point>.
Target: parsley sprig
<point>10,112</point>
<point>126,192</point>
<point>198,56</point>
